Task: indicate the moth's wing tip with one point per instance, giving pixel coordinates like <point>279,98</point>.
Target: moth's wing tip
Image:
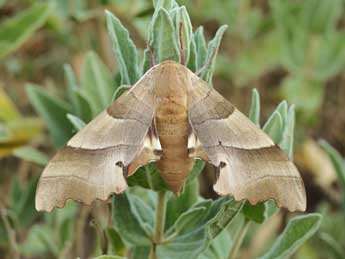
<point>49,206</point>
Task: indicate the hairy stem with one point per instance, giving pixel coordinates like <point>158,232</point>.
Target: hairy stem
<point>238,241</point>
<point>160,222</point>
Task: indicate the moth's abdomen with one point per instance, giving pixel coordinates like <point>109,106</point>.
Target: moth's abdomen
<point>172,127</point>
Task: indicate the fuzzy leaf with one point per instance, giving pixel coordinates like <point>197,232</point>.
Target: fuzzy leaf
<point>128,222</point>
<point>97,83</point>
<point>80,105</point>
<point>53,111</point>
<point>254,113</point>
<point>181,16</point>
<point>125,50</point>
<point>140,252</point>
<point>274,126</point>
<point>298,230</point>
<point>163,38</point>
<point>77,123</point>
<point>179,204</point>
<point>213,217</point>
<point>187,220</point>
<point>286,142</point>
<point>337,161</point>
<point>31,154</point>
<point>200,45</point>
<point>193,62</point>
<point>255,213</point>
<point>166,4</point>
<point>116,245</point>
<point>212,49</point>
<point>147,177</point>
<point>16,30</point>
<point>283,108</point>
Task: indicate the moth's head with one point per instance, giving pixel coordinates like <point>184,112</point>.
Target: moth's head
<point>170,78</point>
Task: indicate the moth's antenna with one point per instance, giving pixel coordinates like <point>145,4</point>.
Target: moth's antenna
<point>182,54</point>
<point>152,56</point>
<point>208,63</point>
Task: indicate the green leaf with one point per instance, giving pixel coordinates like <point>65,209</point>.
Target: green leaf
<point>162,38</point>
<point>181,16</point>
<point>283,108</point>
<point>23,200</point>
<point>189,219</point>
<point>254,113</point>
<point>298,230</point>
<point>192,63</point>
<point>227,211</point>
<point>80,105</point>
<point>337,161</point>
<point>212,50</point>
<point>270,208</point>
<point>201,49</point>
<point>190,193</point>
<point>116,245</point>
<point>16,30</point>
<point>53,111</point>
<point>274,126</point>
<point>125,50</point>
<point>166,4</point>
<point>140,252</point>
<point>128,222</point>
<point>220,246</point>
<point>287,139</point>
<point>255,213</point>
<point>148,177</point>
<point>77,123</point>
<point>31,154</point>
<point>97,83</point>
<point>179,204</point>
<point>332,245</point>
<point>213,218</point>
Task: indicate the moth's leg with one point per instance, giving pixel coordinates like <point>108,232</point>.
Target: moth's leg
<point>124,168</point>
<point>207,64</point>
<point>218,168</point>
<point>182,54</point>
<point>155,138</point>
<point>195,149</point>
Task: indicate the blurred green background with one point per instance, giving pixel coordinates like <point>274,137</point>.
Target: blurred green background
<point>293,50</point>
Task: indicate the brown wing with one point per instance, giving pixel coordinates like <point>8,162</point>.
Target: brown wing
<point>250,165</point>
<point>93,163</point>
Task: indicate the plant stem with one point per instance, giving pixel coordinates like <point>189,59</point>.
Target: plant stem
<point>160,222</point>
<point>11,235</point>
<point>239,239</point>
<point>160,217</point>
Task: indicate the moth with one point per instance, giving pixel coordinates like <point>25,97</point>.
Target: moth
<point>170,117</point>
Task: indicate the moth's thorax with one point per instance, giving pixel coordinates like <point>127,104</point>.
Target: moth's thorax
<point>170,85</point>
